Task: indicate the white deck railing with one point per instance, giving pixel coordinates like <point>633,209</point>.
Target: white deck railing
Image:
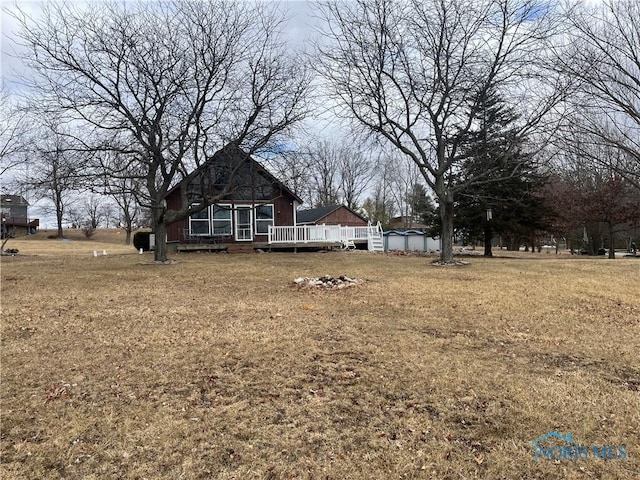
<point>319,233</point>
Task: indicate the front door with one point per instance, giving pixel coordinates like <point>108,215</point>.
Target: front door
<point>244,224</point>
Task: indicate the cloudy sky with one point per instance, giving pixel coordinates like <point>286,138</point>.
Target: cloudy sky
<point>300,27</point>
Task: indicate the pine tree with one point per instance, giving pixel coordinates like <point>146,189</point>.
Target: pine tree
<point>506,199</point>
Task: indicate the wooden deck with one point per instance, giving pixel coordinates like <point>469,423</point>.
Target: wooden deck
<point>247,247</point>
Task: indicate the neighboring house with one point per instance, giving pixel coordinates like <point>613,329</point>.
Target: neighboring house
<point>407,221</point>
<point>331,215</point>
<point>251,200</point>
<point>14,216</point>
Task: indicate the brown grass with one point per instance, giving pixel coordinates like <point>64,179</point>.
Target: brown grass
<point>216,367</point>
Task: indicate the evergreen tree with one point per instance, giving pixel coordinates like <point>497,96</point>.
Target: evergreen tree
<point>423,210</point>
<point>507,199</point>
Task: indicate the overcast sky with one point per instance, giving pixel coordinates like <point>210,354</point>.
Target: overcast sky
<point>300,27</point>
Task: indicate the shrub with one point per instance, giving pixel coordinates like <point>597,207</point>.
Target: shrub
<point>88,229</point>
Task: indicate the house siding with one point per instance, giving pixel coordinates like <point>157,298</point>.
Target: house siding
<point>282,212</point>
<point>342,216</point>
<point>283,202</point>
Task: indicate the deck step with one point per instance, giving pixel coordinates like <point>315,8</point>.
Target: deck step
<point>376,243</point>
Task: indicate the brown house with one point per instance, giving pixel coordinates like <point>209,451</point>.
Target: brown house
<point>15,221</point>
<point>407,222</point>
<point>250,199</point>
<point>331,215</point>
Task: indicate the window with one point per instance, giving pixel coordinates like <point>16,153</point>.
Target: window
<point>264,218</point>
<point>199,222</point>
<point>221,220</point>
<point>221,177</point>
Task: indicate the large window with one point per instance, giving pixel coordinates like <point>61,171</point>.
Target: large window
<point>222,220</point>
<point>264,218</point>
<point>199,222</point>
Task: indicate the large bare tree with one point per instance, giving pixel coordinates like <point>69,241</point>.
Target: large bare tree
<point>416,74</point>
<point>602,59</point>
<point>173,81</point>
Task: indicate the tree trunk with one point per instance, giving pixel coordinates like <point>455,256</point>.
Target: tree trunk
<point>446,216</point>
<point>59,224</point>
<point>488,236</point>
<point>127,227</point>
<point>160,252</point>
<point>612,242</point>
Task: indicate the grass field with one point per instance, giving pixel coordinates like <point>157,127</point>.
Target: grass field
<point>217,367</point>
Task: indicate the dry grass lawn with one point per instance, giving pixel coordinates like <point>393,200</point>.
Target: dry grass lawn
<point>217,367</point>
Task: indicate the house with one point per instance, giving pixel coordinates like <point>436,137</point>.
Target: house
<point>15,218</point>
<point>250,201</point>
<point>331,215</point>
<point>407,222</point>
<point>253,209</point>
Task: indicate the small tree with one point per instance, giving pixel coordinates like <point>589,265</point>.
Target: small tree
<point>88,229</point>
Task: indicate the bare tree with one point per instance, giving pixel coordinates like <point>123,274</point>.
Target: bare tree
<point>335,171</point>
<point>56,170</point>
<point>121,179</point>
<point>124,193</point>
<point>381,206</point>
<point>175,82</point>
<point>415,74</point>
<point>324,171</point>
<point>602,58</point>
<point>403,176</point>
<point>12,128</point>
<point>356,174</point>
<point>96,210</point>
<point>293,168</point>
<point>594,196</point>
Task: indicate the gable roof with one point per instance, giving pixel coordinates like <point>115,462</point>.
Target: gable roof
<point>233,151</point>
<point>7,200</point>
<point>313,215</point>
